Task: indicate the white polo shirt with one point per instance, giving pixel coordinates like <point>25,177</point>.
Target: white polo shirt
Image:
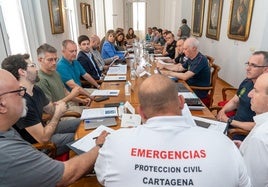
<point>167,152</point>
<point>254,150</point>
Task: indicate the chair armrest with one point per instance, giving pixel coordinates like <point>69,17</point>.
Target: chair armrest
<point>217,108</point>
<point>71,114</point>
<point>225,90</point>
<point>49,147</point>
<point>235,131</point>
<point>201,87</point>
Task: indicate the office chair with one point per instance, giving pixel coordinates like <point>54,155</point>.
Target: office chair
<point>214,75</point>
<point>49,148</point>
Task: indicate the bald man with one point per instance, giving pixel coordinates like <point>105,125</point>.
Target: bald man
<point>23,165</point>
<point>254,148</point>
<point>166,149</point>
<point>196,67</point>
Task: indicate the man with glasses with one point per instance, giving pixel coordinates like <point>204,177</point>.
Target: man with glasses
<point>257,64</point>
<point>50,81</point>
<point>31,127</point>
<point>23,165</point>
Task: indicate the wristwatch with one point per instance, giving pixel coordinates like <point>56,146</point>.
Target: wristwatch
<point>229,121</point>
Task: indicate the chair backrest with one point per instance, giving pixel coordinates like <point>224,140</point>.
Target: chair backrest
<point>210,60</point>
<point>214,76</point>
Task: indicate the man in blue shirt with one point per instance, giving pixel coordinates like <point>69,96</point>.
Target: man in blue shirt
<point>70,69</point>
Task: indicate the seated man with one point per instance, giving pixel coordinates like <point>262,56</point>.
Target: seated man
<point>86,59</point>
<point>31,127</point>
<point>254,148</point>
<point>70,69</point>
<point>166,149</point>
<point>170,45</point>
<point>94,45</point>
<point>257,64</point>
<point>50,81</point>
<point>196,67</point>
<point>179,58</point>
<point>21,164</point>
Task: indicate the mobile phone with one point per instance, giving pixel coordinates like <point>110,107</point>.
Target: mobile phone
<point>112,105</point>
<point>99,99</point>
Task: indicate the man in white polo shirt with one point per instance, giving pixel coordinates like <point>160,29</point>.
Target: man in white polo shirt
<point>166,150</point>
<point>254,148</point>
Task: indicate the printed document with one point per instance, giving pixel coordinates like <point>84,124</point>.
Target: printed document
<point>88,142</point>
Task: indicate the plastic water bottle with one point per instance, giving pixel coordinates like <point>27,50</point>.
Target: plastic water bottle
<point>132,74</point>
<point>121,110</point>
<point>127,88</point>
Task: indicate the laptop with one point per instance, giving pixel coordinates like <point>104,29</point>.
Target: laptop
<point>95,123</point>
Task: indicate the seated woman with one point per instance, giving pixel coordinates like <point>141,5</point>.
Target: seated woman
<point>108,49</point>
<point>120,43</point>
<point>131,36</point>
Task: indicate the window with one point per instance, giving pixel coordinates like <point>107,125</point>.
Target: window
<point>139,18</point>
<point>14,24</point>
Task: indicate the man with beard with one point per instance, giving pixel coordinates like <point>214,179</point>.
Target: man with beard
<point>31,127</point>
<point>50,81</point>
<point>94,45</point>
<point>23,165</point>
<point>86,59</point>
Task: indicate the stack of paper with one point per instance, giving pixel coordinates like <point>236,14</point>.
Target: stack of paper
<point>118,69</point>
<point>94,113</point>
<point>105,93</point>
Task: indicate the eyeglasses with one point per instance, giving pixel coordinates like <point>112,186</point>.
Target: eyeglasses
<point>254,65</point>
<point>21,92</point>
<point>32,65</point>
<point>52,59</point>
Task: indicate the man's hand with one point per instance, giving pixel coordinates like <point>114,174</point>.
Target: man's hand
<point>221,116</point>
<point>85,101</point>
<point>60,108</point>
<point>160,66</point>
<point>101,138</point>
<point>237,143</point>
<point>75,91</point>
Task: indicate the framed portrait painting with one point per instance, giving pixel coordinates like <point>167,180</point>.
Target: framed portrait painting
<point>214,19</point>
<point>56,16</point>
<point>83,13</point>
<point>240,19</point>
<point>86,17</point>
<point>197,15</point>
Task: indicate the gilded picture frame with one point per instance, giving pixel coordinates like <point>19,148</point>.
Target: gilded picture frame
<point>198,17</point>
<point>214,19</point>
<point>83,13</point>
<point>56,16</point>
<point>89,15</point>
<point>86,15</point>
<point>240,19</point>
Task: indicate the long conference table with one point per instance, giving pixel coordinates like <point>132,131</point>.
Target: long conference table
<point>133,100</point>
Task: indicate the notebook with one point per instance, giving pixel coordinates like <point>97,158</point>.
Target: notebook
<point>211,124</point>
